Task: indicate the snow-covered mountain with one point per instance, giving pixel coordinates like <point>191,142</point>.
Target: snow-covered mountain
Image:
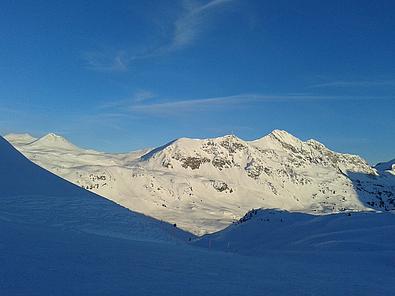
<point>30,195</point>
<point>205,185</point>
<point>52,141</point>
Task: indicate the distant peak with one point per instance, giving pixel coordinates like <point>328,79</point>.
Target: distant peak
<point>54,140</point>
<point>284,137</point>
<point>52,136</point>
<point>281,134</point>
<point>276,139</point>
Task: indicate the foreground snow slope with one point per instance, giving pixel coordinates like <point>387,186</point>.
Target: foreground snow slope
<point>262,230</point>
<point>205,185</point>
<point>33,196</point>
<point>43,261</point>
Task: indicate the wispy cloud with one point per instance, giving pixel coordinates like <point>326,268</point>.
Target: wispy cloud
<point>227,102</point>
<point>192,22</point>
<point>157,106</point>
<point>184,31</point>
<point>161,106</point>
<point>141,96</point>
<point>360,83</point>
<point>189,105</point>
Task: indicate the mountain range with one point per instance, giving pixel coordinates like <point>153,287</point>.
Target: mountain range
<point>203,185</point>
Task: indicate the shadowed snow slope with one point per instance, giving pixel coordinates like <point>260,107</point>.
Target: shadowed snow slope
<point>47,261</point>
<point>32,195</point>
<point>386,166</point>
<point>262,230</point>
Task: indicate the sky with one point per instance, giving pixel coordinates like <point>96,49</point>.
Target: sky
<point>123,75</point>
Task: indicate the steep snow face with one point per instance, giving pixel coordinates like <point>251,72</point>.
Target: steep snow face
<point>277,140</point>
<point>205,185</point>
<point>34,196</point>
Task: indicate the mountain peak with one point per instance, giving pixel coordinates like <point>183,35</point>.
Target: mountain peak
<point>276,139</point>
<point>53,140</point>
<point>53,137</point>
<point>283,136</point>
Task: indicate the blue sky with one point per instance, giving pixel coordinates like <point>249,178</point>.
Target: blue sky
<point>122,75</point>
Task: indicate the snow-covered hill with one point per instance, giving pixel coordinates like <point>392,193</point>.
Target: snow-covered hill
<point>262,230</point>
<point>33,196</point>
<point>205,185</point>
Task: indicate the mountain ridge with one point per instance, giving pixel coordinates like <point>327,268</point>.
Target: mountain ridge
<point>203,185</point>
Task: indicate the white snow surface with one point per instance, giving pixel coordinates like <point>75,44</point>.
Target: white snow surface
<point>205,185</point>
<point>58,239</point>
<point>30,195</point>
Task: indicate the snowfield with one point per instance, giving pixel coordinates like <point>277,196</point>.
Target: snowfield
<point>49,261</point>
<point>216,181</point>
<point>263,230</point>
<point>59,239</point>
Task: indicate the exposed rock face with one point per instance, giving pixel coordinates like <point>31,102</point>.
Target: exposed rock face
<point>221,186</point>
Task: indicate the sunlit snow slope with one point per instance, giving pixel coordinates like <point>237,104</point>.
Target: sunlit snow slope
<point>205,185</point>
